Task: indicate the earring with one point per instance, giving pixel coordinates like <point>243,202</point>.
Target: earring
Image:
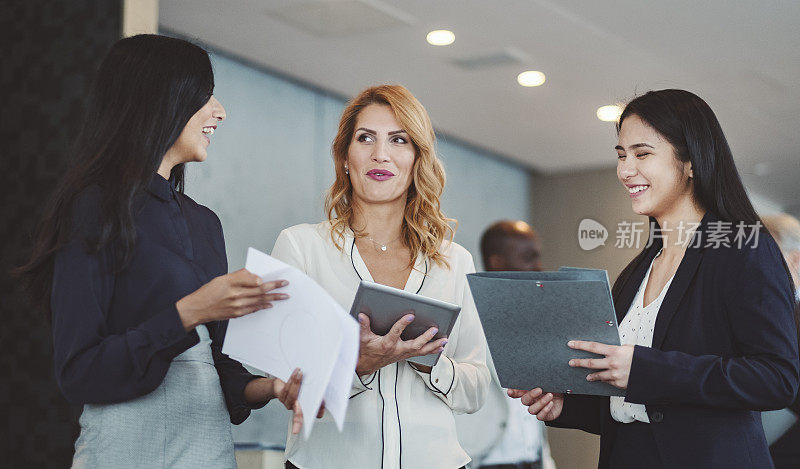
<point>346,171</point>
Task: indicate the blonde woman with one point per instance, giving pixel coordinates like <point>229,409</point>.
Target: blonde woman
<point>385,225</point>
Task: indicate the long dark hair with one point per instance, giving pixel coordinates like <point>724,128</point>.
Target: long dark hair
<point>145,91</point>
<point>690,126</point>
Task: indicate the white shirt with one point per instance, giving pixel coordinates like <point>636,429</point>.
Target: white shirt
<point>521,440</point>
<point>397,417</point>
<point>637,329</point>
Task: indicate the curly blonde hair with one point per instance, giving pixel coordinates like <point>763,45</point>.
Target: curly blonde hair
<point>425,227</point>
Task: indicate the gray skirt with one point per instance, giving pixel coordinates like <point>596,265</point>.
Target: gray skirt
<point>183,423</point>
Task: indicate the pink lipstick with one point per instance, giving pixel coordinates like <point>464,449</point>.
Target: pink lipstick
<point>380,174</point>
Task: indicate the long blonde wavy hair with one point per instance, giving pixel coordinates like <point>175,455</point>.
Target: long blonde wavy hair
<point>425,227</point>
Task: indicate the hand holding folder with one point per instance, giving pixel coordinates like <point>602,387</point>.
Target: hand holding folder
<point>529,317</point>
<point>615,366</point>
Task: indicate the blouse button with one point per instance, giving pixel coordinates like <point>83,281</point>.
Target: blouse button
<point>656,417</point>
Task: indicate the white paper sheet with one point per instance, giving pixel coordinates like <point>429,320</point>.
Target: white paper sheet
<point>309,331</point>
<point>337,394</point>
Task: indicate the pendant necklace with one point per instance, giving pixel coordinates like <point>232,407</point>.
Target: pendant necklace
<point>353,262</point>
<point>382,246</point>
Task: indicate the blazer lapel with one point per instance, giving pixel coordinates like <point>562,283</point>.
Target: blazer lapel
<point>683,278</point>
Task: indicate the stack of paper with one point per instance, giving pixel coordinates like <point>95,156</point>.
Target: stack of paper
<point>309,331</point>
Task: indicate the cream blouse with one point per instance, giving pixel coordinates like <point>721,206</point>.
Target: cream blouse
<point>397,417</point>
<point>637,329</point>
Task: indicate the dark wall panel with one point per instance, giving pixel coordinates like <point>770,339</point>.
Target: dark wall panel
<point>50,50</point>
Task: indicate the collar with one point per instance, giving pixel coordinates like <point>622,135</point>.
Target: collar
<point>416,277</point>
<point>160,187</point>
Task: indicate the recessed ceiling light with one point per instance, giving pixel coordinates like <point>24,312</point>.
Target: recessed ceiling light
<point>609,113</point>
<point>441,37</point>
<point>531,78</point>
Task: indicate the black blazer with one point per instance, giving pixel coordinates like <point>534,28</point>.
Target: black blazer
<point>724,348</point>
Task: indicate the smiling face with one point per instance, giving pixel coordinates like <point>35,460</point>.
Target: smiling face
<point>193,141</point>
<point>656,181</point>
<point>380,157</point>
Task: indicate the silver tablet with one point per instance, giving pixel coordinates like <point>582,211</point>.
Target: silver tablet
<point>386,305</point>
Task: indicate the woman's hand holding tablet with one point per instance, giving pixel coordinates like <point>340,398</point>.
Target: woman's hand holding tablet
<point>377,351</point>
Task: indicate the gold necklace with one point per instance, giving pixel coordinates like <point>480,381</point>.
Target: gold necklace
<point>382,246</point>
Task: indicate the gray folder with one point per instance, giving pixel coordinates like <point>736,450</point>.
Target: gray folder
<point>529,317</point>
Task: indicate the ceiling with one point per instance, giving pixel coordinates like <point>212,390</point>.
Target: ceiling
<point>743,58</point>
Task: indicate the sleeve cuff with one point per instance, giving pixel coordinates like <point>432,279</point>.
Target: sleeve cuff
<point>256,405</point>
<point>240,410</point>
<point>583,412</point>
<point>166,333</point>
<point>645,371</point>
<point>362,383</point>
<point>442,375</point>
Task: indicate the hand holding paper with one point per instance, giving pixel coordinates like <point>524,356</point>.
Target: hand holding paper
<point>287,393</point>
<point>309,331</point>
<point>228,296</point>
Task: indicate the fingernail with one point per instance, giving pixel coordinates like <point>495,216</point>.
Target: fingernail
<point>259,281</point>
<point>361,319</point>
<point>570,343</point>
<point>269,305</point>
<point>284,296</point>
<point>410,318</point>
<point>444,342</point>
<point>588,378</point>
<point>434,331</point>
<point>572,363</point>
<point>284,283</point>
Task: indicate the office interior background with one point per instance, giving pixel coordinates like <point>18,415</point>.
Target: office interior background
<point>284,70</point>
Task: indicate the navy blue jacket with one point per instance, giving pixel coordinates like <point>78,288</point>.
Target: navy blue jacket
<point>724,347</point>
<point>115,334</point>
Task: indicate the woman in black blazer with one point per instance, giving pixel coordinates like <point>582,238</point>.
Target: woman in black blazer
<point>722,345</point>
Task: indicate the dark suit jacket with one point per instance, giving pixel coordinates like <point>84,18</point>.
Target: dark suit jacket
<point>786,451</point>
<point>724,347</point>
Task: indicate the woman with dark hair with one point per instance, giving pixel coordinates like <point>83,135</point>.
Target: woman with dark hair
<point>705,310</point>
<point>133,272</point>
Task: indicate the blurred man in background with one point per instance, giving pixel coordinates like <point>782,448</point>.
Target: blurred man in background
<point>506,246</point>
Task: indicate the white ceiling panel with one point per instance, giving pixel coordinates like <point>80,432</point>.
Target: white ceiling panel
<point>742,57</point>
